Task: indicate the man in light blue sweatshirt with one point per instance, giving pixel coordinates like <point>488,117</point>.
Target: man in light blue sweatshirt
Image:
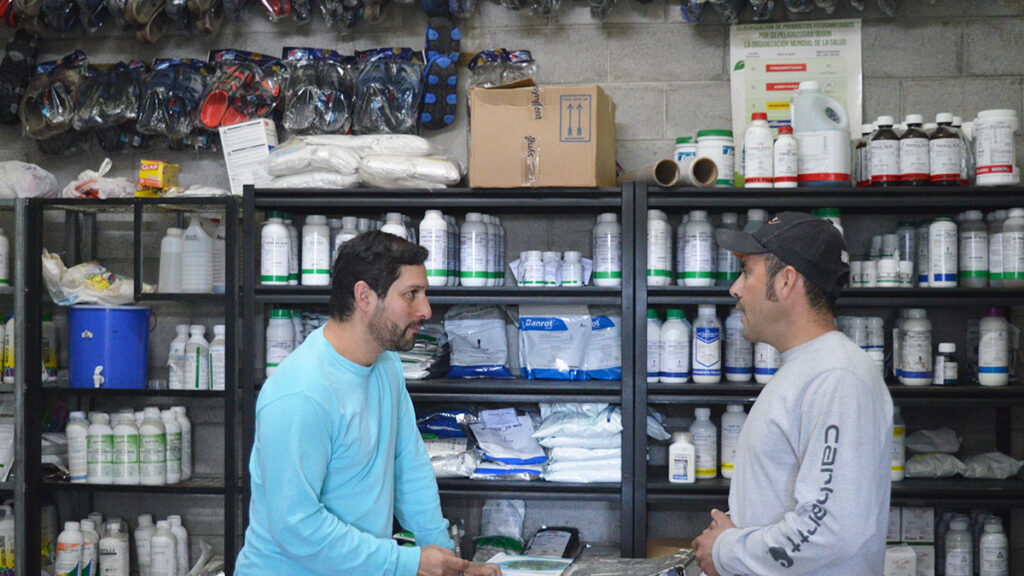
<point>337,453</point>
<point>810,487</point>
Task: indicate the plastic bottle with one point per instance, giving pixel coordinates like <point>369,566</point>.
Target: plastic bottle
<point>945,152</point>
<point>181,543</point>
<point>101,451</point>
<point>945,371</point>
<point>680,262</point>
<point>706,363</point>
<point>875,327</point>
<point>942,253</point>
<point>994,132</point>
<point>758,170</point>
<point>899,449</point>
<point>347,232</point>
<point>217,348</point>
<point>218,255</point>
<point>170,261</point>
<point>434,237</point>
<point>718,145</point>
<point>90,548</point>
<point>973,246</point>
<point>453,251</point>
<point>705,440</point>
<point>113,552</point>
<point>739,352</point>
<point>69,550</point>
<point>275,251</point>
<point>923,261</point>
<point>732,425</point>
<point>916,349</point>
<point>197,359</point>
<point>659,249</point>
<point>126,450</point>
<point>5,259</point>
<point>682,459</point>
<point>572,269</point>
<point>473,251</point>
<point>862,156</point>
<point>49,347</point>
<point>767,360</point>
<point>176,358</point>
<point>552,263</point>
<point>172,432</point>
<point>1013,248</point>
<point>186,441</point>
<point>163,551</point>
<point>500,251</point>
<point>293,249</point>
<point>914,153</point>
<point>152,449</point>
<point>727,269</point>
<point>8,350</point>
<point>296,318</point>
<point>607,240</point>
<point>994,550</point>
<point>959,548</point>
<point>393,225</point>
<point>699,270</point>
<point>316,251</point>
<point>817,117</point>
<point>996,220</point>
<point>653,347</point>
<point>280,338</point>
<point>143,537</point>
<point>77,434</point>
<point>492,250</point>
<point>196,258</point>
<point>884,149</point>
<point>533,269</point>
<point>993,349</point>
<point>675,348</point>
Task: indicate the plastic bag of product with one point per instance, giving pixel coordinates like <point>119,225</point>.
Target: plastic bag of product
<point>609,470</point>
<point>451,457</point>
<point>942,440</point>
<point>389,171</point>
<point>575,454</point>
<point>497,67</point>
<point>501,529</point>
<point>479,342</point>
<point>586,408</point>
<point>24,180</point>
<point>604,351</point>
<point>314,179</point>
<point>607,422</point>
<point>656,425</point>
<point>505,436</point>
<point>443,423</point>
<point>494,470</point>
<point>86,283</point>
<point>320,91</point>
<point>389,88</point>
<point>109,98</point>
<point>934,466</point>
<point>95,184</point>
<point>553,341</point>
<point>47,105</point>
<point>992,465</point>
<point>365,144</point>
<point>297,155</point>
<point>571,441</point>
<point>171,95</point>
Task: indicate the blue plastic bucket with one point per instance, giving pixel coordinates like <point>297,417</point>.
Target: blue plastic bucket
<point>108,347</point>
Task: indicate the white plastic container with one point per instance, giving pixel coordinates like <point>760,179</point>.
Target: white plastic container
<point>659,249</point>
<point>170,261</point>
<point>196,258</point>
<point>739,352</point>
<point>572,269</point>
<point>172,432</point>
<point>347,232</point>
<point>181,543</point>
<point>718,145</point>
<point>500,251</point>
<point>923,261</point>
<point>126,450</point>
<point>914,170</point>
<point>758,169</point>
<point>218,255</point>
<point>653,347</point>
<point>993,349</point>
<point>176,358</point>
<point>675,348</point>
<point>916,349</point>
<point>197,359</point>
<point>732,425</point>
<point>899,449</point>
<point>822,130</point>
<point>959,548</point>
<point>434,237</point>
<point>699,251</point>
<point>101,451</point>
<point>316,251</point>
<point>163,551</point>
<point>876,339</point>
<point>900,560</point>
<point>90,548</point>
<point>473,251</point>
<point>77,434</point>
<point>973,246</point>
<point>275,251</point>
<point>69,550</point>
<point>186,441</point>
<point>607,240</point>
<point>686,153</point>
<point>114,552</point>
<point>706,362</point>
<point>942,253</point>
<point>492,250</point>
<point>996,220</point>
<point>1013,249</point>
<point>217,346</point>
<point>705,440</point>
<point>280,338</point>
<point>143,537</point>
<point>552,263</point>
<point>994,147</point>
<point>994,550</point>
<point>767,360</point>
<point>453,251</point>
<point>727,265</point>
<point>682,459</point>
<point>294,241</point>
<point>533,269</point>
<point>152,449</point>
<point>680,262</point>
<point>393,225</point>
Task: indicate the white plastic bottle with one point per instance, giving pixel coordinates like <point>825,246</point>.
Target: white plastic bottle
<point>1013,248</point>
<point>275,251</point>
<point>434,237</point>
<point>607,240</point>
<point>973,246</point>
<point>758,160</point>
<point>77,434</point>
<point>993,349</point>
<point>681,250</point>
<point>90,548</point>
<point>316,251</point>
<point>675,348</point>
<point>659,249</point>
<point>143,537</point>
<point>473,251</point>
<point>453,251</point>
<point>172,432</point>
<point>196,258</point>
<point>786,160</point>
<point>996,220</point>
<point>126,450</point>
<point>994,550</point>
<point>653,347</point>
<point>218,256</point>
<point>101,451</point>
<point>533,269</point>
<point>69,550</point>
<point>393,225</point>
<point>176,358</point>
<point>492,250</point>
<point>186,441</point>
<point>705,439</point>
<point>152,449</point>
<point>296,317</point>
<point>916,349</point>
<point>732,425</point>
<point>699,270</point>
<point>347,232</point>
<point>706,363</point>
<point>727,266</point>
<point>217,348</point>
<point>572,269</point>
<point>170,261</point>
<point>739,352</point>
<point>822,129</point>
<point>113,552</point>
<point>899,449</point>
<point>766,362</point>
<point>500,250</point>
<point>942,253</point>
<point>923,261</point>
<point>552,263</point>
<point>959,548</point>
<point>181,543</point>
<point>876,339</point>
<point>280,338</point>
<point>197,359</point>
<point>682,459</point>
<point>163,551</point>
<point>293,249</point>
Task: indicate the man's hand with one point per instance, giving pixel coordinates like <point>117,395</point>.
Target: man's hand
<point>483,570</point>
<point>439,561</point>
<point>704,544</point>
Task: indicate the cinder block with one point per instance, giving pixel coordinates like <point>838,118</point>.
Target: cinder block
<point>564,55</point>
<point>989,93</point>
<point>911,49</point>
<point>696,106</point>
<point>881,98</point>
<point>633,154</point>
<point>639,111</point>
<point>669,53</point>
<point>956,8</point>
<point>929,97</point>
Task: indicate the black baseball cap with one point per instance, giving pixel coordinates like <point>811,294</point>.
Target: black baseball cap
<point>810,244</point>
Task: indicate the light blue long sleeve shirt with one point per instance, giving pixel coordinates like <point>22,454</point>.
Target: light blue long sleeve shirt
<point>337,455</point>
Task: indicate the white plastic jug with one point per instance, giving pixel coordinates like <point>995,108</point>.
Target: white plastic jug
<point>822,130</point>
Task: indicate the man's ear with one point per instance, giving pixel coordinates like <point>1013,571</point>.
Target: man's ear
<point>365,297</point>
<point>787,283</point>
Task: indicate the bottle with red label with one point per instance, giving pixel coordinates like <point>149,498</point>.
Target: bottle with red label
<point>786,162</point>
<point>884,149</point>
<point>945,153</point>
<point>862,158</point>
<point>914,153</point>
<point>757,153</point>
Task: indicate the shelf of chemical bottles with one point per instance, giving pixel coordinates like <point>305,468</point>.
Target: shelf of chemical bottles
<point>909,297</point>
<point>873,200</point>
<point>924,491</point>
<point>59,390</point>
<point>484,199</point>
<point>734,392</point>
<point>528,489</point>
<point>198,484</point>
<point>511,390</point>
<point>494,295</point>
<point>125,204</point>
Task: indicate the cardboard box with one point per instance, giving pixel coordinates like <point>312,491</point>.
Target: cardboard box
<point>894,533</point>
<point>918,525</point>
<point>665,547</point>
<point>246,146</point>
<point>527,135</point>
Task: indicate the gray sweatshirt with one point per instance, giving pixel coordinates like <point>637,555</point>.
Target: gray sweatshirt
<point>810,491</point>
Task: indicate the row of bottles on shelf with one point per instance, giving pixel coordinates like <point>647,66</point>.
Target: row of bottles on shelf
<point>694,454</point>
<point>192,362</point>
<point>49,349</point>
<point>92,546</point>
<point>192,259</point>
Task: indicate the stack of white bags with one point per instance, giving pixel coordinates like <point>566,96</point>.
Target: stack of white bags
<point>584,442</point>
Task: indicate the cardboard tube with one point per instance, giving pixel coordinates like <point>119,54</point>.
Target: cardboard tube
<point>664,173</point>
<point>700,173</point>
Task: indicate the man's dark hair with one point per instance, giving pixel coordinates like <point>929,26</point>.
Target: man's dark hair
<point>375,258</point>
<point>817,297</point>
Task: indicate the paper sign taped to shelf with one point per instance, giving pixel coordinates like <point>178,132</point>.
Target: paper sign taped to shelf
<point>246,147</point>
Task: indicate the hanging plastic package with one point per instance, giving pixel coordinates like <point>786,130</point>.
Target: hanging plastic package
<point>389,88</point>
<point>553,341</point>
<point>761,10</point>
<point>318,98</point>
<point>604,352</point>
<point>497,67</point>
<point>246,86</point>
<point>170,97</point>
<point>479,342</point>
<point>729,10</point>
<point>48,103</point>
<point>108,98</point>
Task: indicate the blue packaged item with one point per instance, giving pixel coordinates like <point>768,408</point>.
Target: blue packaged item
<point>553,341</point>
<point>479,342</point>
<point>442,423</point>
<point>604,351</point>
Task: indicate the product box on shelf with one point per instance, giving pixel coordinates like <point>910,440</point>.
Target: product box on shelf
<point>524,135</point>
<point>246,147</point>
<point>894,534</point>
<point>925,559</point>
<point>918,525</point>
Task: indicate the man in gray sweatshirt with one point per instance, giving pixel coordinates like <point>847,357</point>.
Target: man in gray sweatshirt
<point>810,490</point>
